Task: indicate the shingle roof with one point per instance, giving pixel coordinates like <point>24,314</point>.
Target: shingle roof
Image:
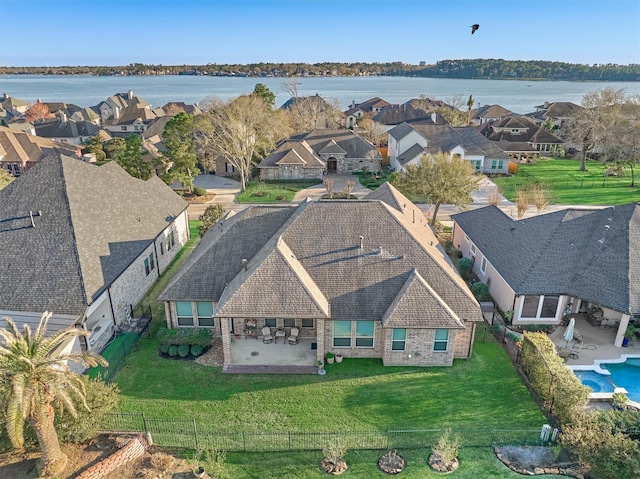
<point>66,129</point>
<point>292,152</point>
<point>400,131</point>
<point>558,109</point>
<point>323,239</point>
<point>367,106</point>
<point>411,153</point>
<point>491,111</point>
<point>590,254</point>
<point>347,141</point>
<point>500,131</point>
<point>78,245</point>
<point>23,148</point>
<point>445,138</point>
<point>396,114</point>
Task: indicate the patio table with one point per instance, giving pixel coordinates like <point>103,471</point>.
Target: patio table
<point>280,333</point>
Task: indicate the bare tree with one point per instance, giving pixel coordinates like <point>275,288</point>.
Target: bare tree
<point>522,201</point>
<point>37,111</point>
<point>349,186</point>
<point>371,130</point>
<point>593,126</point>
<point>242,130</point>
<point>329,183</point>
<point>540,195</point>
<point>493,196</point>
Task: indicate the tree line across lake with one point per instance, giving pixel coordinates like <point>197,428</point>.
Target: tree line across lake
<point>466,68</point>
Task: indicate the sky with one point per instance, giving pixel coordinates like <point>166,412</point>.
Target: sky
<point>195,32</point>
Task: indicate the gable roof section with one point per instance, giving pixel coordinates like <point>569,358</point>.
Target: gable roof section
<point>396,114</point>
<point>23,148</point>
<point>400,131</point>
<point>491,111</point>
<point>590,254</point>
<point>445,138</point>
<point>367,106</point>
<point>332,148</point>
<point>417,305</point>
<point>292,152</point>
<point>281,283</point>
<point>411,153</point>
<point>78,246</point>
<point>346,140</point>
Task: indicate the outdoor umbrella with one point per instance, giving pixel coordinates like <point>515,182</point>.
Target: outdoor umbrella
<point>568,334</point>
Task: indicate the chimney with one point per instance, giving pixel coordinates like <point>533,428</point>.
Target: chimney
<point>353,103</point>
<point>244,264</point>
<point>355,129</point>
<point>130,95</point>
<point>434,117</point>
<point>361,242</point>
<point>62,116</point>
<point>6,96</point>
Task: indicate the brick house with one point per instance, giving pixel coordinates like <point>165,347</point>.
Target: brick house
<point>84,242</point>
<point>321,151</point>
<point>363,278</point>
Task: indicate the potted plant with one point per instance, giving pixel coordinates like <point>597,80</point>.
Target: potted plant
<point>619,401</point>
<point>628,334</point>
<point>196,464</point>
<point>321,370</point>
<point>338,358</point>
<point>330,357</point>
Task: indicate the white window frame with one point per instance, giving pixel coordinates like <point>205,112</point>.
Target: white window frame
<point>350,337</point>
<point>213,309</point>
<point>372,337</point>
<point>179,317</point>
<point>473,249</point>
<point>483,265</point>
<point>440,341</point>
<point>394,341</point>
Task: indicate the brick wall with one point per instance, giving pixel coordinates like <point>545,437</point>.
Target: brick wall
<point>135,448</point>
<point>419,345</point>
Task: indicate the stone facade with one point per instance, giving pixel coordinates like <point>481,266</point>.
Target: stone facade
<point>291,173</point>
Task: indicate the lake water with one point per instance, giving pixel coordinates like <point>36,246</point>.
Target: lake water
<point>517,96</point>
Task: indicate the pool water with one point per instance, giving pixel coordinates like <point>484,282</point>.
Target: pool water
<point>626,375</point>
<point>599,383</point>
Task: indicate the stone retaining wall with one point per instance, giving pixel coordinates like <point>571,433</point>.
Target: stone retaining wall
<point>530,470</point>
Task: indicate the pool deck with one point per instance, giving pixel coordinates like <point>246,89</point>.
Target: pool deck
<point>596,348</point>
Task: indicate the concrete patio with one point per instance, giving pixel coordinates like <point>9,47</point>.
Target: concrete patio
<point>243,352</point>
<point>596,346</point>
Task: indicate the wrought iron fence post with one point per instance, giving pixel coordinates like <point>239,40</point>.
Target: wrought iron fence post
<point>195,433</point>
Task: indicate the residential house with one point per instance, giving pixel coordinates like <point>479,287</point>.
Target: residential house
<point>363,278</point>
<point>174,107</point>
<point>394,115</point>
<point>409,143</point>
<point>84,242</point>
<point>10,103</point>
<point>521,138</point>
<point>68,131</point>
<point>557,112</point>
<point>358,110</point>
<point>489,113</point>
<point>20,151</point>
<point>125,113</point>
<point>322,150</point>
<point>322,113</point>
<point>557,263</point>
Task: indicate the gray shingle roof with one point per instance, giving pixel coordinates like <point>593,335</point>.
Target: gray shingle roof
<point>590,254</point>
<point>323,240</point>
<point>292,152</point>
<point>66,129</point>
<point>411,153</point>
<point>445,138</point>
<point>95,221</point>
<point>354,145</point>
<point>396,114</point>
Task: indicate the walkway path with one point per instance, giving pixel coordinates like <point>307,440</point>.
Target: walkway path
<point>315,192</point>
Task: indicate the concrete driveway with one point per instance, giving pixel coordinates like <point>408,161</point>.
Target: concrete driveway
<point>315,192</point>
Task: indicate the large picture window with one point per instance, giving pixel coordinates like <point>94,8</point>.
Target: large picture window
<point>307,323</point>
<point>549,306</point>
<point>184,313</point>
<point>342,333</point>
<point>271,322</point>
<point>364,334</point>
<point>289,322</point>
<point>205,314</point>
<point>530,306</point>
<point>441,340</point>
<point>399,339</point>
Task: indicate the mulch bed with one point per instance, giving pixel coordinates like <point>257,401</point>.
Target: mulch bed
<point>193,199</point>
<point>213,356</point>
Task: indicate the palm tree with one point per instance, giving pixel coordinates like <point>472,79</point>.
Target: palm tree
<point>35,377</point>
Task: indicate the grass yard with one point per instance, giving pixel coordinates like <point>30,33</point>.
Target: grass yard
<point>261,192</point>
<point>369,180</point>
<point>475,463</point>
<point>571,186</point>
<point>354,395</point>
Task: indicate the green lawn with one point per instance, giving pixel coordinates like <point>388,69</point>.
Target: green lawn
<point>475,463</point>
<point>369,180</point>
<point>570,185</point>
<point>261,192</point>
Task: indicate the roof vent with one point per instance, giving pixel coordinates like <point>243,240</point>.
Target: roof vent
<point>244,264</point>
<point>361,242</point>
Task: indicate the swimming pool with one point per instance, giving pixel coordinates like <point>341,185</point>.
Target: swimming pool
<point>626,375</point>
<point>599,383</point>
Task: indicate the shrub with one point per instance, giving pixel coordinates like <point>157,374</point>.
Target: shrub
<point>164,348</point>
<point>102,398</point>
<point>173,351</point>
<point>190,336</point>
<point>199,191</point>
<point>210,217</point>
<point>448,446</point>
<point>196,350</point>
<point>330,355</point>
<point>183,350</point>
<point>481,291</point>
<point>464,266</point>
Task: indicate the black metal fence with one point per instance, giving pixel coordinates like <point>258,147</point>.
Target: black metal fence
<point>191,434</point>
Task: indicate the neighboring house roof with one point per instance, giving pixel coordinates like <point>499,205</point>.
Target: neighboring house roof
<point>17,147</point>
<point>174,107</point>
<point>490,111</point>
<point>559,109</point>
<point>339,141</point>
<point>445,138</point>
<point>156,127</point>
<point>527,132</point>
<point>77,247</point>
<point>411,153</point>
<point>407,113</point>
<point>308,261</point>
<point>589,254</point>
<point>12,103</point>
<point>130,115</point>
<point>367,106</point>
<point>287,105</point>
<point>293,152</point>
<point>66,129</point>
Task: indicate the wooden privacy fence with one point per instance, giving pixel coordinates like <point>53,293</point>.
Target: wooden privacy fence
<point>191,434</point>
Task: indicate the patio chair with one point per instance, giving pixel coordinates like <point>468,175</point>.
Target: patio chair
<point>566,353</point>
<point>293,336</point>
<point>266,335</point>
